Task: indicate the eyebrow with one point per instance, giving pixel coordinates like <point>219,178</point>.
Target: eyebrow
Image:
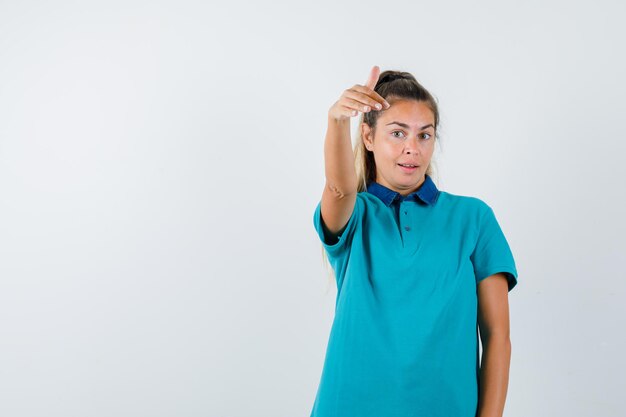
<point>404,125</point>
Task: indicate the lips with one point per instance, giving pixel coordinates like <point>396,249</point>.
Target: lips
<point>408,163</point>
<point>408,170</point>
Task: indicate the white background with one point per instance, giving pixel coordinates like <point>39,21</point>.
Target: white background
<point>160,163</point>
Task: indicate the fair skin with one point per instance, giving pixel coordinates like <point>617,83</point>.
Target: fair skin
<point>404,133</point>
<point>493,322</point>
<point>413,143</point>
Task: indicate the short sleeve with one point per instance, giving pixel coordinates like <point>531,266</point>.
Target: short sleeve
<point>492,253</point>
<point>340,244</point>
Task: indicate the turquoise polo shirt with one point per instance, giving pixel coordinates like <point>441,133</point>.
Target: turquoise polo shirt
<point>404,339</point>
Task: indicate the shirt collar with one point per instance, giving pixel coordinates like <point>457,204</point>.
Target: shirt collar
<point>427,192</point>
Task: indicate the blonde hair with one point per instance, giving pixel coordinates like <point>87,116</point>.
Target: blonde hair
<point>392,86</point>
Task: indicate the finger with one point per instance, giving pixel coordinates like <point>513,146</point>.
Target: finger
<point>371,93</point>
<point>366,96</point>
<point>348,111</point>
<point>361,101</point>
<point>373,77</point>
<point>356,105</point>
<point>371,84</point>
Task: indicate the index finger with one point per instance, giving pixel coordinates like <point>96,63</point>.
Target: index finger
<point>373,77</point>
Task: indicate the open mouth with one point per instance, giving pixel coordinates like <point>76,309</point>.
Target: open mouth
<point>408,167</point>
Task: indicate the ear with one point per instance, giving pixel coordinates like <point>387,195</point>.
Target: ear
<point>366,134</point>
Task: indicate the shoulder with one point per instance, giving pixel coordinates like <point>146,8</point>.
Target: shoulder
<point>368,200</point>
<point>463,203</point>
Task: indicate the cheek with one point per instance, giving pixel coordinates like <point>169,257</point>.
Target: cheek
<point>392,148</point>
<point>392,153</point>
<point>429,147</point>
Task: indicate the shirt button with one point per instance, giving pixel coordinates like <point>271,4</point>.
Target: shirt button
<point>407,228</point>
<point>405,212</point>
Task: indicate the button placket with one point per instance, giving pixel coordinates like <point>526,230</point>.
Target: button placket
<point>407,227</point>
<point>409,232</point>
<point>405,217</point>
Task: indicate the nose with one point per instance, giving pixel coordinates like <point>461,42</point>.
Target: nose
<point>411,146</point>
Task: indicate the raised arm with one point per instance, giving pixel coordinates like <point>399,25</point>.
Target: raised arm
<point>340,190</point>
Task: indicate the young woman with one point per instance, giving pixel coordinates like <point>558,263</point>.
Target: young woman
<point>418,270</point>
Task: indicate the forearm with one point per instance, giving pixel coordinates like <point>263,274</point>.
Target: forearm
<point>339,157</point>
<point>494,376</point>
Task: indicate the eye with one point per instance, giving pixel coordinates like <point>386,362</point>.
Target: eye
<point>423,135</point>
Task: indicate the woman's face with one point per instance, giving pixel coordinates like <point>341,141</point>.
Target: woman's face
<point>405,134</point>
